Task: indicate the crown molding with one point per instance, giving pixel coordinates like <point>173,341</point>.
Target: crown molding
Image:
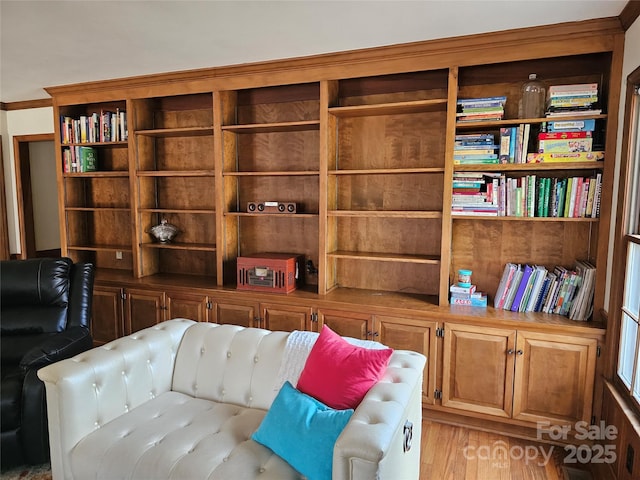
<point>43,102</point>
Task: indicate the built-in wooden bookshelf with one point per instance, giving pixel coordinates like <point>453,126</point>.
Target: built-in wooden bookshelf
<point>363,143</point>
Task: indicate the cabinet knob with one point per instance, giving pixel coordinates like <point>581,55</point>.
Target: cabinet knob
<point>510,351</point>
<point>519,352</point>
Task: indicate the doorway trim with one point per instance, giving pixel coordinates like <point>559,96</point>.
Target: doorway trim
<point>23,191</point>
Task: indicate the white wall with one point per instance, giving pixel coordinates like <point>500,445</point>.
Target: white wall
<point>19,122</point>
<point>44,193</point>
<point>630,63</point>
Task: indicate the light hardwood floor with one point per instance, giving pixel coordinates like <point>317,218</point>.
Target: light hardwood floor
<point>458,453</point>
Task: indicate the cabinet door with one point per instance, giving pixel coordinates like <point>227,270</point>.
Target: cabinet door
<point>187,305</point>
<point>244,314</point>
<point>285,317</point>
<point>106,314</point>
<point>145,308</point>
<point>554,376</point>
<point>348,324</point>
<point>415,335</point>
<point>477,369</point>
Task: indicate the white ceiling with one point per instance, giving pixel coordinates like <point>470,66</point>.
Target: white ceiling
<point>50,43</point>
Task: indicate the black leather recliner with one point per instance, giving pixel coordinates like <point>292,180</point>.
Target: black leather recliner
<point>45,312</point>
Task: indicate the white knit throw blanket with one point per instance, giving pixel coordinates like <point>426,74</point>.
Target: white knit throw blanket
<point>297,349</point>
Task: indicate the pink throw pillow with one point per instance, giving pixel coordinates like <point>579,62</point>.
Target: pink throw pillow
<point>340,374</point>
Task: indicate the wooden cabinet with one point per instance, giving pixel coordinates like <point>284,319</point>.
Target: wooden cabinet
<point>554,378</point>
<point>107,320</point>
<point>478,369</point>
<point>145,308</point>
<point>417,335</point>
<point>517,374</point>
<point>348,324</point>
<point>194,306</point>
<point>285,317</point>
<point>237,312</point>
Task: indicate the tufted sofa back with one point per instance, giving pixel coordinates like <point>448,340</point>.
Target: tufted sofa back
<point>230,364</point>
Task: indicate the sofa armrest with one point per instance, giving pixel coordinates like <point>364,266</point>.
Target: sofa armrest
<point>96,386</point>
<point>373,445</point>
<point>62,345</point>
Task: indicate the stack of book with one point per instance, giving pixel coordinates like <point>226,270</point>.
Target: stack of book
<point>467,296</point>
<point>79,159</point>
<point>480,109</point>
<point>575,99</point>
<point>566,141</point>
<point>551,197</point>
<point>97,127</point>
<point>514,143</point>
<point>529,288</point>
<point>473,149</point>
<point>475,193</point>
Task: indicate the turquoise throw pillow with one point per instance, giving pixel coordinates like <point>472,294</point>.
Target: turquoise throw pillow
<point>302,431</point>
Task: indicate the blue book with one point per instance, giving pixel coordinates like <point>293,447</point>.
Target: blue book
<point>528,270</point>
<point>586,125</point>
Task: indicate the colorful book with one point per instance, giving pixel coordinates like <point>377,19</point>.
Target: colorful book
<point>526,274</point>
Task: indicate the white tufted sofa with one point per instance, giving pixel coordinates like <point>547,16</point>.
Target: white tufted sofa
<point>180,400</point>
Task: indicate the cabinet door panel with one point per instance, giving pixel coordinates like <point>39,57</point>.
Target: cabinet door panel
<point>144,309</point>
<point>418,336</point>
<point>285,318</point>
<point>347,324</point>
<point>243,314</point>
<point>106,314</point>
<point>478,369</point>
<point>554,378</point>
<point>184,305</point>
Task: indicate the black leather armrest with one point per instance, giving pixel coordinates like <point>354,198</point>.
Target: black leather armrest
<point>58,347</point>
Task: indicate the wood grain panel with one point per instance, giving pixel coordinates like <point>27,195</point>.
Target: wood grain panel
<point>187,262</point>
<point>412,192</point>
<point>97,192</point>
<point>184,153</point>
<point>279,151</point>
<point>488,246</point>
<point>389,235</point>
<point>286,111</point>
<point>391,141</point>
<point>388,276</point>
<point>477,370</point>
<point>299,189</point>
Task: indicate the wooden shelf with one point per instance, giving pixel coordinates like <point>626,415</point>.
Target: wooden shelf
<point>177,132</point>
<point>524,167</point>
<point>271,215</point>
<point>292,173</point>
<point>395,108</point>
<point>202,247</point>
<point>98,174</point>
<point>123,143</point>
<point>382,213</point>
<point>98,209</point>
<point>101,248</point>
<point>176,173</point>
<point>383,171</point>
<point>493,124</point>
<point>178,210</point>
<point>276,127</point>
<point>386,257</point>
<point>525,219</point>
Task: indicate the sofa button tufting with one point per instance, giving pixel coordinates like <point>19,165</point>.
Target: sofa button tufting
<point>262,470</point>
<point>255,359</point>
<point>225,459</point>
<point>228,354</point>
